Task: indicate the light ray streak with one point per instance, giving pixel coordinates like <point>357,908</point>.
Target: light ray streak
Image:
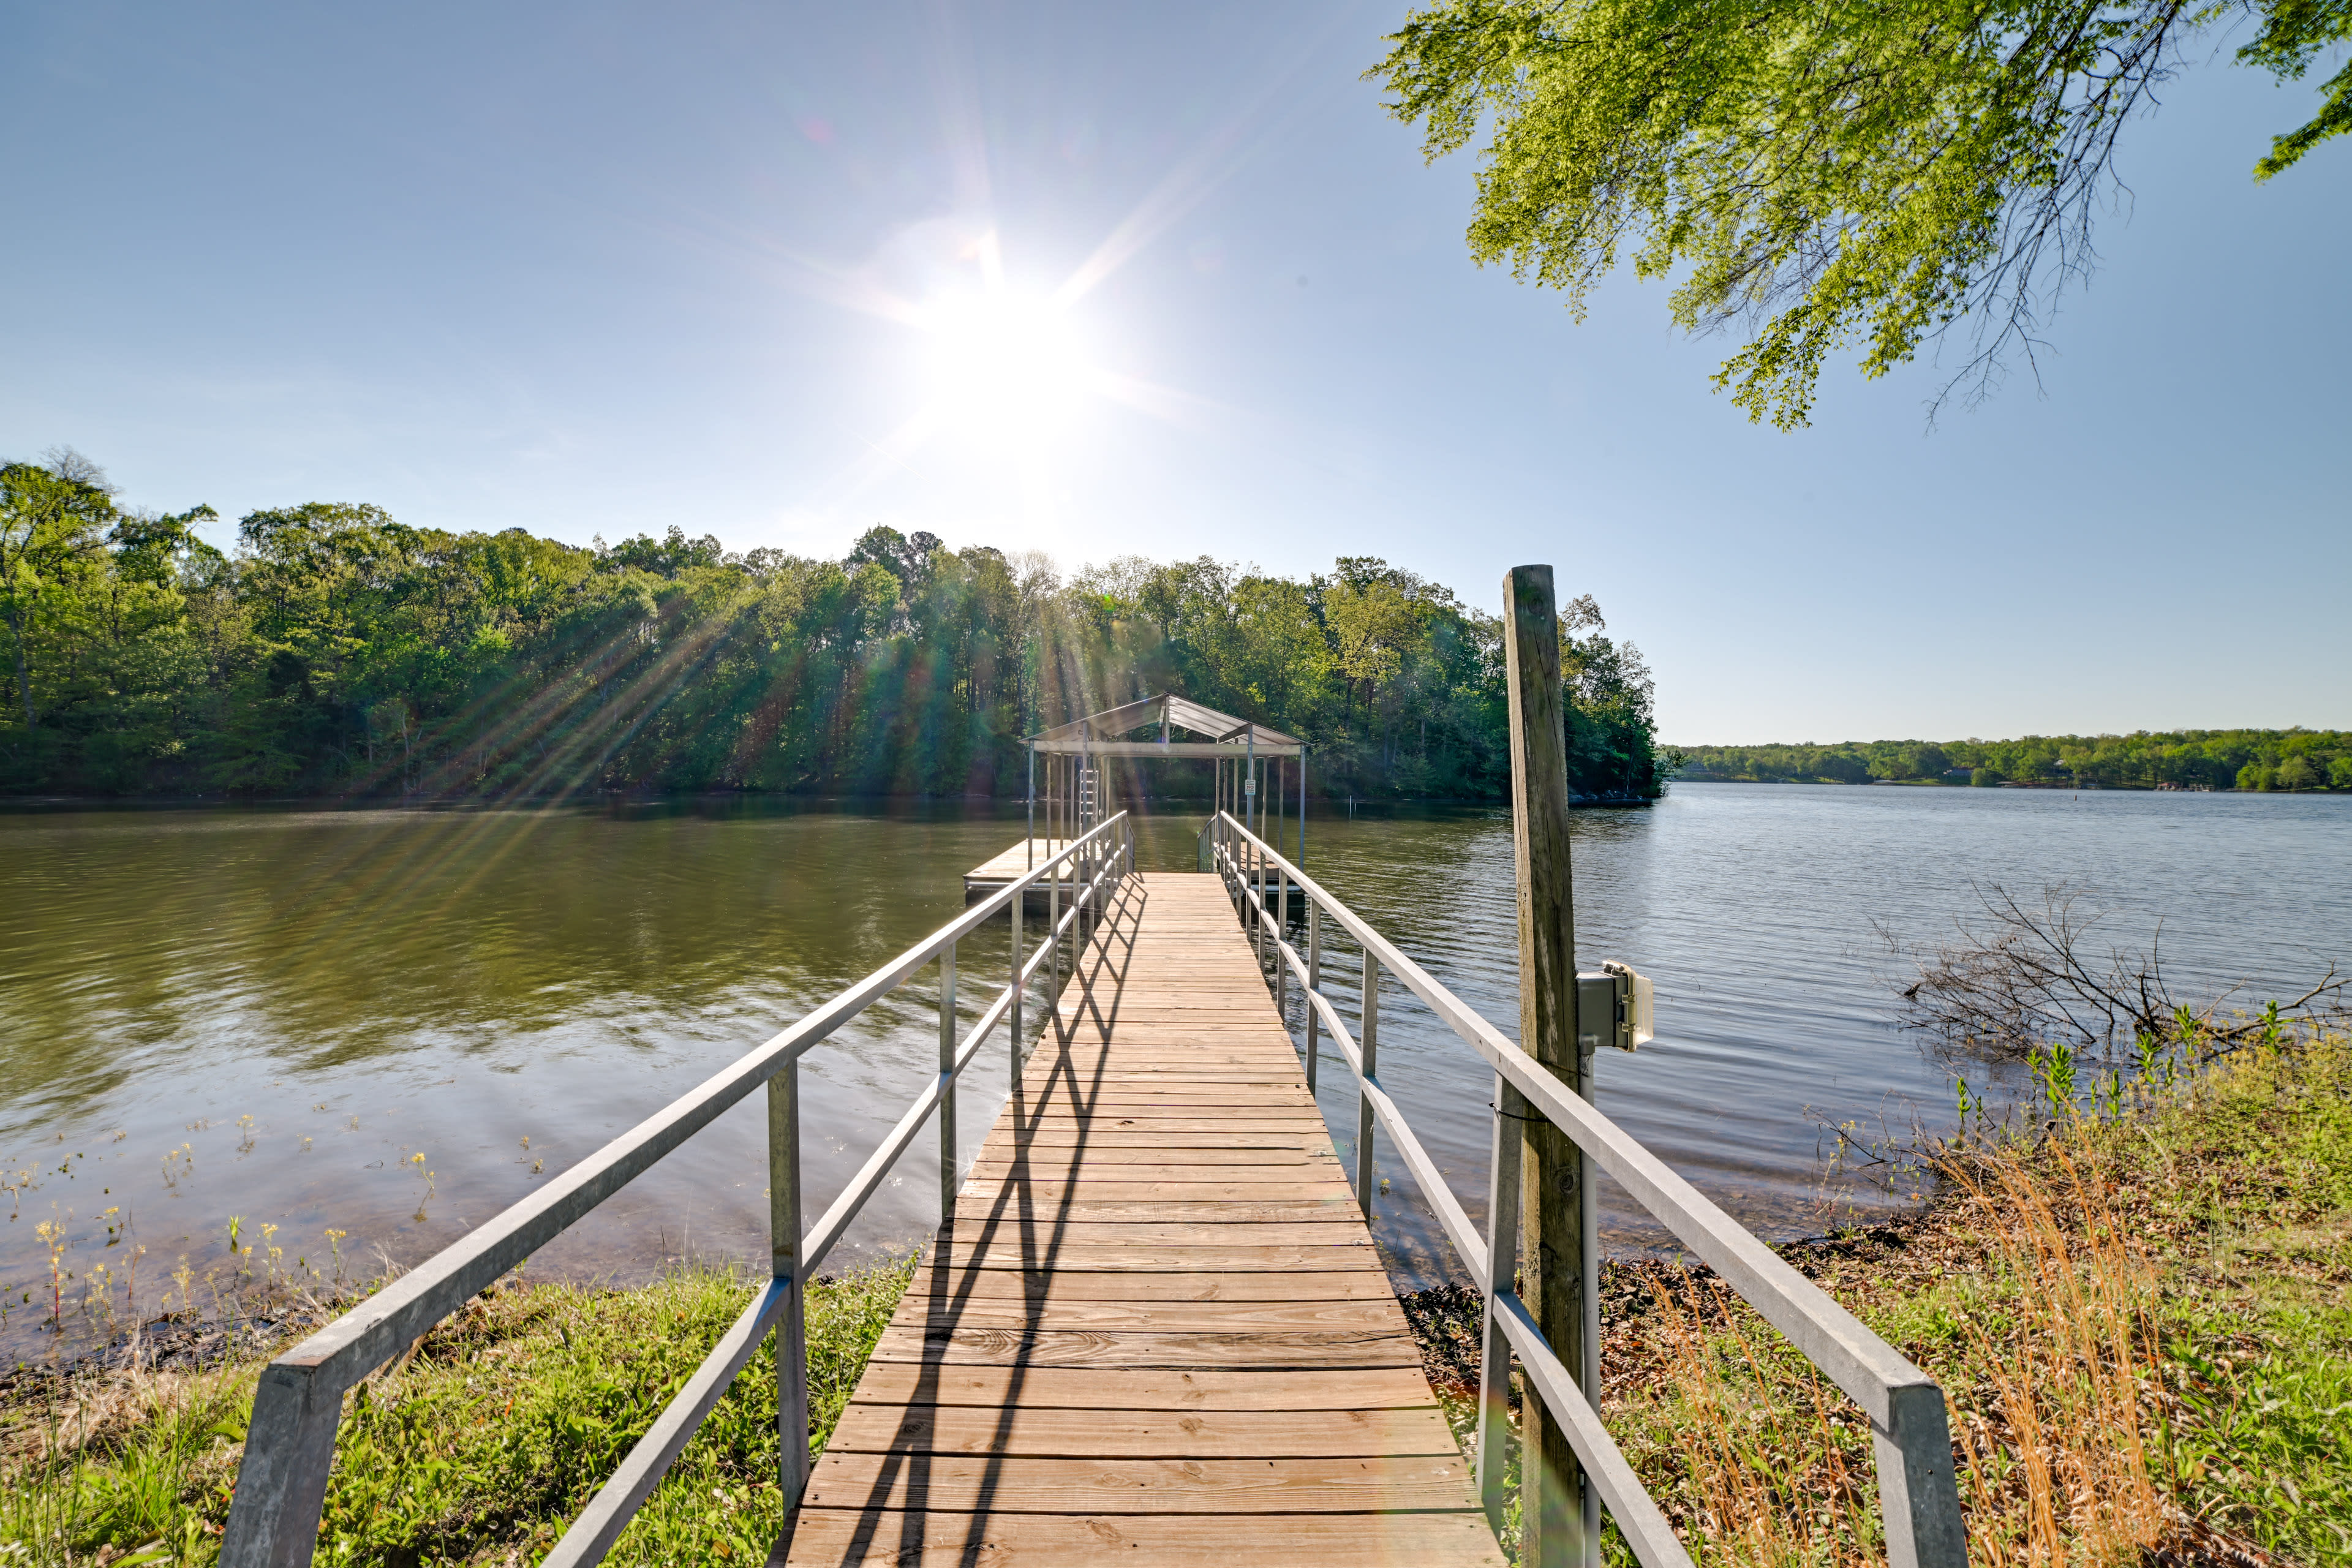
<point>1195,179</point>
<point>879,460</point>
<point>359,905</point>
<point>948,53</point>
<point>1186,410</point>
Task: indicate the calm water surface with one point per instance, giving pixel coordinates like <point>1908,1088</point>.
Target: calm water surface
<point>270,1014</point>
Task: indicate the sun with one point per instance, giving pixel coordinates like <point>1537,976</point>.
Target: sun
<point>1004,368</point>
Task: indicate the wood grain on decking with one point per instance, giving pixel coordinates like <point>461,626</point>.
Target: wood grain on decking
<point>1156,1330</point>
<point>1018,861</point>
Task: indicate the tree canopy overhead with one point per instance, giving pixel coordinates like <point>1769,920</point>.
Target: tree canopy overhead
<point>1822,174</point>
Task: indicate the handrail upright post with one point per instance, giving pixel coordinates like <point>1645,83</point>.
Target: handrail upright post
<point>1368,1045</point>
<point>1281,932</point>
<point>947,1085</point>
<point>289,1445</point>
<point>1588,1363</point>
<point>1012,1012</point>
<point>785,1264</point>
<point>1503,1176</point>
<point>1256,905</point>
<point>1249,903</point>
<point>1053,946</point>
<point>1314,982</point>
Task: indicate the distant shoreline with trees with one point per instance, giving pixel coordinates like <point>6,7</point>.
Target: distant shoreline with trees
<point>336,653</point>
<point>2289,761</point>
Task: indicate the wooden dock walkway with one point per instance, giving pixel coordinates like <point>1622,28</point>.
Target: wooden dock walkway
<point>1156,1330</point>
<point>1007,867</point>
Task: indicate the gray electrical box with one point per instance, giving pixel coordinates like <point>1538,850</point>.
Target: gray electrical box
<point>1615,1007</point>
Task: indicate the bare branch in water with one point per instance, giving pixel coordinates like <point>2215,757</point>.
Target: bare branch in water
<point>2026,977</point>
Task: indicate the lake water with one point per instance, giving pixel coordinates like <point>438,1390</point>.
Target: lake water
<point>268,1013</point>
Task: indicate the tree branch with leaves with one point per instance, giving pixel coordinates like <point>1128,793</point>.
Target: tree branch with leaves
<point>1820,176</point>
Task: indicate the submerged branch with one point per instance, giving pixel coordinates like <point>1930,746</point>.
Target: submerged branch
<point>2025,977</point>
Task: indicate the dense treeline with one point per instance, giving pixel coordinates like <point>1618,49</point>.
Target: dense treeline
<point>337,651</point>
<point>2182,759</point>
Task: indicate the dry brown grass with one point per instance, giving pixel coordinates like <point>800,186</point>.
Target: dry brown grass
<point>2058,1430</point>
<point>2067,1295</point>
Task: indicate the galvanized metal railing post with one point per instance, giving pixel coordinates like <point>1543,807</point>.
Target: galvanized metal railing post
<point>281,1484</point>
<point>1054,947</point>
<point>1012,1012</point>
<point>785,1264</point>
<point>1281,931</point>
<point>1918,1491</point>
<point>1588,1361</point>
<point>947,1084</point>
<point>1257,890</point>
<point>1313,984</point>
<point>1368,1045</point>
<point>1502,1275</point>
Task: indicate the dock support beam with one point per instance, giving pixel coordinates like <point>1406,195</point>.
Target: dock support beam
<point>1560,1513</point>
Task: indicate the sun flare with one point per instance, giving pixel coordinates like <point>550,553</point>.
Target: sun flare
<point>1004,368</point>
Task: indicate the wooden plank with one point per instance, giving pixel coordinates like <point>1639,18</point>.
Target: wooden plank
<point>1233,1252</point>
<point>830,1538</point>
<point>1193,1165</point>
<point>1147,1388</point>
<point>1147,1348</point>
<point>1176,1118</point>
<point>958,1482</point>
<point>1337,1235</point>
<point>1231,1067</point>
<point>1057,1285</point>
<point>1086,1175</point>
<point>1091,1189</point>
<point>1222,1137</point>
<point>1279,1097</point>
<point>1031,1433</point>
<point>1050,1217</point>
<point>929,1312</point>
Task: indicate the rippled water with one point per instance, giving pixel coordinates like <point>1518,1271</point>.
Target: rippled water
<point>268,1013</point>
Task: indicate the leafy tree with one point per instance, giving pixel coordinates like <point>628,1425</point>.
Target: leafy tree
<point>2202,759</point>
<point>53,523</point>
<point>1822,176</point>
<point>2298,772</point>
<point>342,651</point>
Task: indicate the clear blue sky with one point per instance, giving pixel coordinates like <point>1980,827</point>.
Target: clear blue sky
<point>1164,279</point>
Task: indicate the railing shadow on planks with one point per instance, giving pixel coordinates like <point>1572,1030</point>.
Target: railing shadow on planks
<point>1911,1438</point>
<point>289,1445</point>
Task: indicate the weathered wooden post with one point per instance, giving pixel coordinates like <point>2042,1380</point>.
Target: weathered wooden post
<point>1552,1247</point>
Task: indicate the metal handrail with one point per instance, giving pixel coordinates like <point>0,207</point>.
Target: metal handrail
<point>1911,1438</point>
<point>289,1445</point>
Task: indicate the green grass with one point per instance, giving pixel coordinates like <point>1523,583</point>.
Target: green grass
<point>2254,1181</point>
<point>477,1448</point>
